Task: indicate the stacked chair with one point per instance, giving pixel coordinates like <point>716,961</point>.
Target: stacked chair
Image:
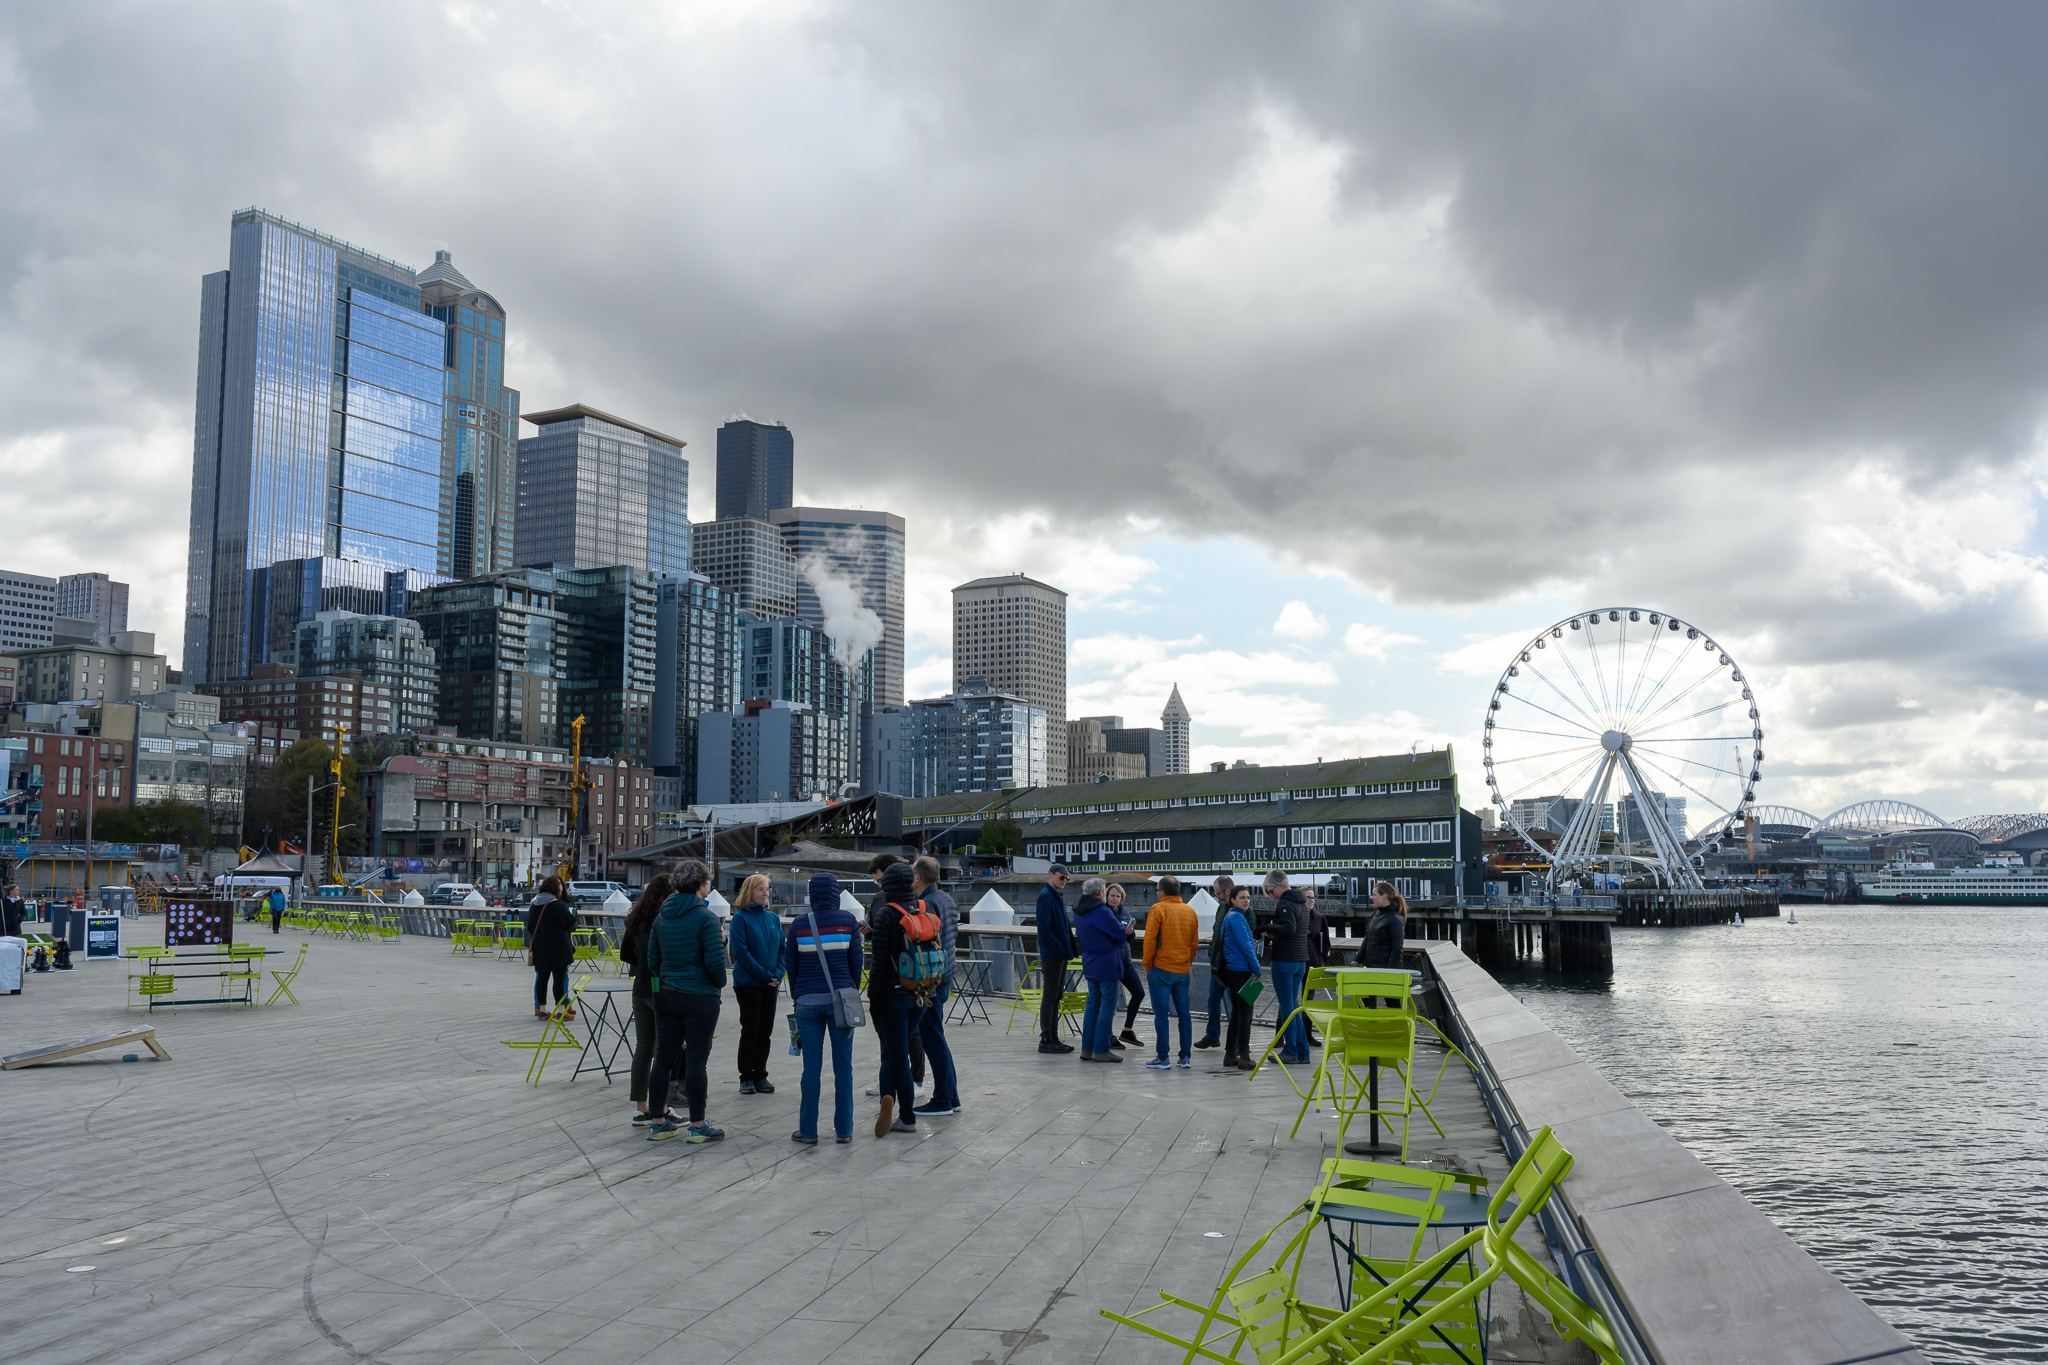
<point>1413,1308</point>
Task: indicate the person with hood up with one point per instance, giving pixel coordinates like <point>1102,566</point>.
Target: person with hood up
<point>822,954</point>
<point>686,967</point>
<point>1171,933</point>
<point>1055,951</point>
<point>1287,932</point>
<point>1101,937</point>
<point>754,936</point>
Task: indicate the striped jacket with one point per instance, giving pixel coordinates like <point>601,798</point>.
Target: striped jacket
<point>839,937</point>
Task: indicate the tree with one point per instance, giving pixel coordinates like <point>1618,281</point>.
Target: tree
<point>173,822</point>
<point>274,806</point>
<point>1001,836</point>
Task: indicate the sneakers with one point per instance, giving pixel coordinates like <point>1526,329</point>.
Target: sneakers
<point>876,1089</point>
<point>1208,1042</point>
<point>808,1142</point>
<point>1185,1064</point>
<point>761,1087</point>
<point>704,1132</point>
<point>1101,1057</point>
<point>899,1126</point>
<point>663,1131</point>
<point>1087,1056</point>
<point>1117,1044</point>
<point>1242,1064</point>
<point>1159,1064</point>
<point>746,1087</point>
<point>645,1117</point>
<point>843,1139</point>
<point>1050,1049</point>
<point>1130,1036</point>
<point>935,1107</point>
<point>884,1119</point>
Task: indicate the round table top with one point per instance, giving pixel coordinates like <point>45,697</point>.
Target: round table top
<point>612,989</point>
<point>1461,1209</point>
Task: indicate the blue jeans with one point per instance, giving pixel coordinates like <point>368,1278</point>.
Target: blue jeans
<point>931,1028</point>
<point>898,1018</point>
<point>1170,993</point>
<point>1098,1024</point>
<point>1287,982</point>
<point>1213,1029</point>
<point>814,1026</point>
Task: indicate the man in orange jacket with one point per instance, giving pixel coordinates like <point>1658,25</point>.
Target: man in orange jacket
<point>1171,932</point>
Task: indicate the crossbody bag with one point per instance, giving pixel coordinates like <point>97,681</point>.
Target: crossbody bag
<point>848,1009</point>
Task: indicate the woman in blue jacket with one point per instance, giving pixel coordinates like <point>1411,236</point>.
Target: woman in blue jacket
<point>754,937</point>
<point>1240,965</point>
<point>1101,937</point>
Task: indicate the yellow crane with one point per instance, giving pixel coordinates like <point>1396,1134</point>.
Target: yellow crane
<point>578,783</point>
<point>334,876</point>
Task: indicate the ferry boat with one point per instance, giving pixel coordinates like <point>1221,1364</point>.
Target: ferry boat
<point>1996,883</point>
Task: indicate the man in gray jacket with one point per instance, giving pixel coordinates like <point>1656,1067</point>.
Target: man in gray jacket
<point>931,1025</point>
<point>1287,932</point>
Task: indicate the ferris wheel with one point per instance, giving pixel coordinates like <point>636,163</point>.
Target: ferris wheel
<point>1615,731</point>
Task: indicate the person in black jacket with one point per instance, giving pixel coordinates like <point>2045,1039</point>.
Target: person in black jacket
<point>1055,950</point>
<point>633,952</point>
<point>896,1011</point>
<point>550,944</point>
<point>13,910</point>
<point>1287,933</point>
<point>1387,929</point>
<point>1212,1033</point>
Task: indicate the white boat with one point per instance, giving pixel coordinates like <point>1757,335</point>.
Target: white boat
<point>1996,883</point>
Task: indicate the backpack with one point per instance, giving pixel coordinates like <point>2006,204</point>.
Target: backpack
<point>921,965</point>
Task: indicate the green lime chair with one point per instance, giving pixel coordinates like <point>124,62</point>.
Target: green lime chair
<point>511,939</point>
<point>462,936</point>
<point>155,988</point>
<point>555,1036</point>
<point>285,978</point>
<point>390,926</point>
<point>587,945</point>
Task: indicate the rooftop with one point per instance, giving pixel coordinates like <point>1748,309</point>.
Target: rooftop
<point>576,411</point>
<point>1008,581</point>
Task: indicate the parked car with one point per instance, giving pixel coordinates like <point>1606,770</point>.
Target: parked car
<point>450,893</point>
<point>595,893</point>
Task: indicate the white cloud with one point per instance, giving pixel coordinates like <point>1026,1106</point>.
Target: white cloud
<point>931,676</point>
<point>1373,642</point>
<point>1298,621</point>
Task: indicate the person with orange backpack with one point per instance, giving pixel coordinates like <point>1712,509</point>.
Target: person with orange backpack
<point>905,972</point>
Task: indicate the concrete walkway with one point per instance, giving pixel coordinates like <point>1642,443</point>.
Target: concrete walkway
<point>367,1177</point>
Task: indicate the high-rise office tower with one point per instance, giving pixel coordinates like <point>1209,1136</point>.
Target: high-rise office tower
<point>96,598</point>
<point>317,430</point>
<point>749,562</point>
<point>696,672</point>
<point>756,469</point>
<point>596,490</point>
<point>976,740</point>
<point>863,551</point>
<point>28,611</point>
<point>608,658</point>
<point>1011,633</point>
<point>1179,726</point>
<point>498,644</point>
<point>479,428</point>
<point>291,592</point>
<point>390,657</point>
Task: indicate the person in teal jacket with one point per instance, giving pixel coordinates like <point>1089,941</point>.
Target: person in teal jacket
<point>686,967</point>
<point>754,937</point>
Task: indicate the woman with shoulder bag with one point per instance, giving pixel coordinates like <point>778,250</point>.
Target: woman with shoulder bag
<point>1212,1031</point>
<point>550,945</point>
<point>821,957</point>
<point>1240,969</point>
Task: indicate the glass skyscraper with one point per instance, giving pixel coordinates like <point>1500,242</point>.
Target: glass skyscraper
<point>866,549</point>
<point>596,490</point>
<point>317,430</point>
<point>756,469</point>
<point>479,425</point>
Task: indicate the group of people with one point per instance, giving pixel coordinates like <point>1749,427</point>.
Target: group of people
<point>1099,933</point>
<point>681,956</point>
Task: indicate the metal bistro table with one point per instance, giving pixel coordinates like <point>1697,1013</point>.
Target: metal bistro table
<point>1461,1209</point>
<point>214,966</point>
<point>607,1030</point>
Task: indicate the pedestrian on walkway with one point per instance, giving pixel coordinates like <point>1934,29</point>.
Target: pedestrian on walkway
<point>1240,968</point>
<point>877,865</point>
<point>13,910</point>
<point>1101,937</point>
<point>1212,1031</point>
<point>822,955</point>
<point>1388,927</point>
<point>1320,954</point>
<point>931,1027</point>
<point>899,1002</point>
<point>1287,934</point>
<point>686,968</point>
<point>550,945</point>
<point>1171,932</point>
<point>1055,951</point>
<point>276,899</point>
<point>755,936</point>
<point>1133,984</point>
<point>633,952</point>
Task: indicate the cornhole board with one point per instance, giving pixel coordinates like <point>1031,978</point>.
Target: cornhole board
<point>42,1055</point>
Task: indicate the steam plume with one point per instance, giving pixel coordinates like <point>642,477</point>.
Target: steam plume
<point>854,628</point>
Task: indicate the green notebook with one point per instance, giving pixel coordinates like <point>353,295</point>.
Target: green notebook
<point>1249,991</point>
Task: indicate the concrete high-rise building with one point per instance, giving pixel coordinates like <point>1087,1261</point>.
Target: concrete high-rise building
<point>865,551</point>
<point>769,751</point>
<point>696,672</point>
<point>388,655</point>
<point>1179,727</point>
<point>28,611</point>
<point>747,560</point>
<point>756,469</point>
<point>1089,757</point>
<point>96,598</point>
<point>1011,631</point>
<point>597,491</point>
<point>479,428</point>
<point>291,592</point>
<point>317,429</point>
<point>499,648</point>
<point>1144,743</point>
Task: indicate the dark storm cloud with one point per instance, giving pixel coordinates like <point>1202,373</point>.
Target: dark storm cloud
<point>1469,297</point>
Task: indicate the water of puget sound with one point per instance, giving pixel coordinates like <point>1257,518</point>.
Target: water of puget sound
<point>1872,1078</point>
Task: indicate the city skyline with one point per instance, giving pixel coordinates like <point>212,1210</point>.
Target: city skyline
<point>1295,380</point>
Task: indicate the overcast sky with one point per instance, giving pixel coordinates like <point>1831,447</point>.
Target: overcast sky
<point>1322,352</point>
